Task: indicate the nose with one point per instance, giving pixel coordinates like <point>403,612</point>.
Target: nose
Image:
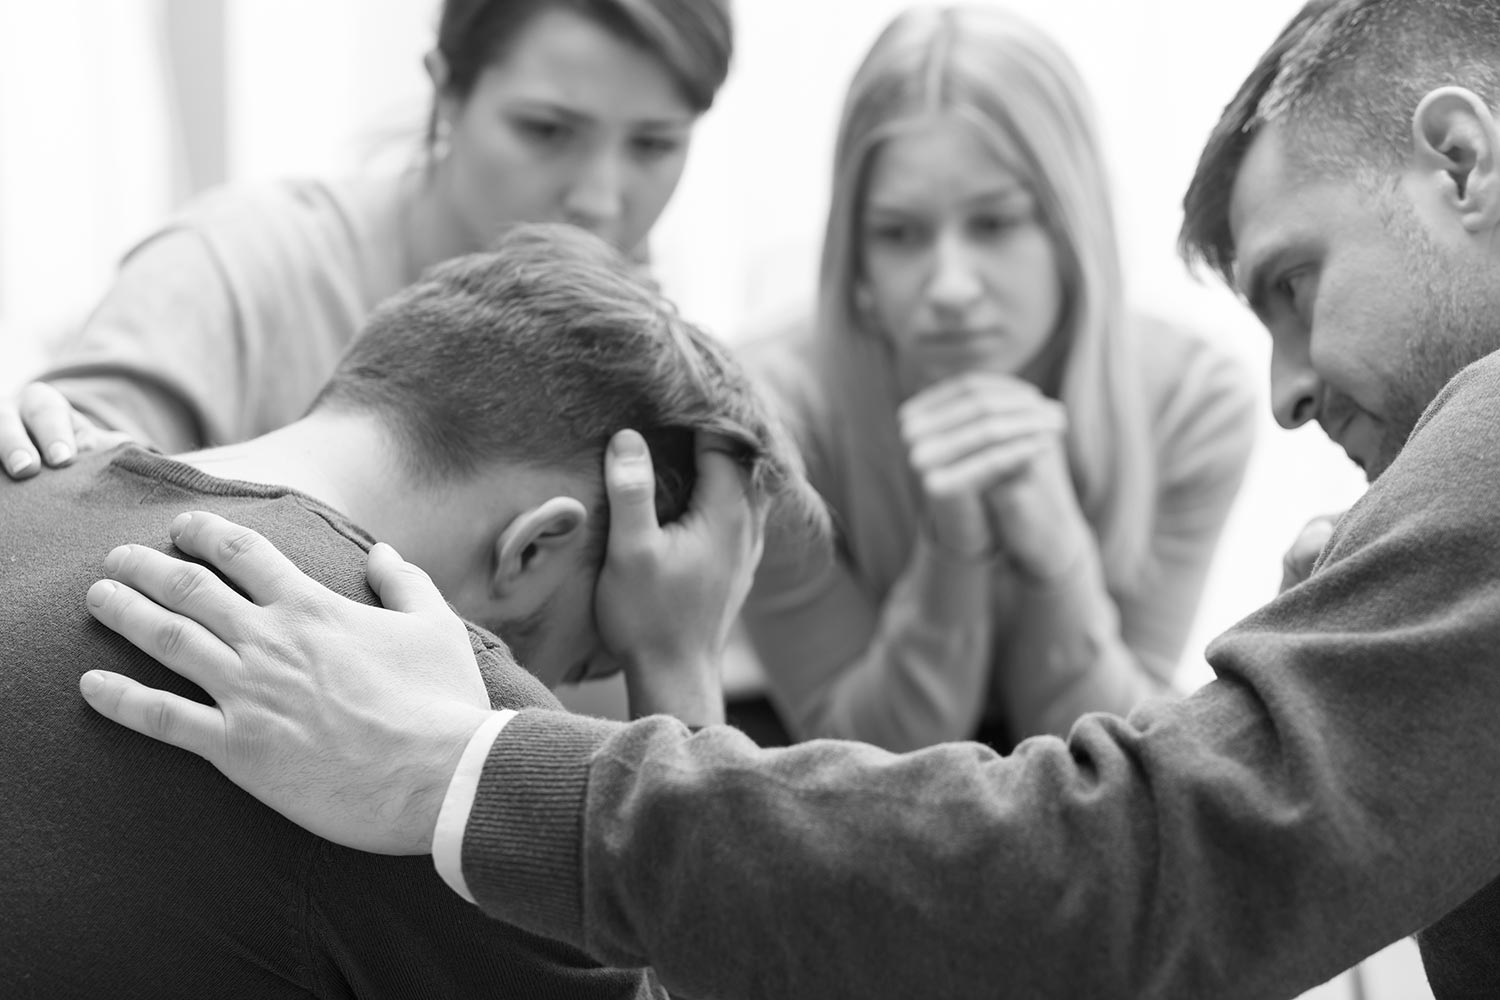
<point>596,198</point>
<point>954,284</point>
<point>1295,386</point>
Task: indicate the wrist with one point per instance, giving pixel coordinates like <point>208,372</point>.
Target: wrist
<point>428,766</point>
<point>956,551</point>
<point>686,687</point>
<point>1052,564</point>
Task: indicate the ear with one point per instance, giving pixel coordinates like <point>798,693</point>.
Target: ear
<point>444,104</point>
<point>437,69</point>
<point>539,544</point>
<point>1455,143</point>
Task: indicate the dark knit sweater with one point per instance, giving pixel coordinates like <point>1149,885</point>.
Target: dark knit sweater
<point>1335,789</point>
<point>132,869</point>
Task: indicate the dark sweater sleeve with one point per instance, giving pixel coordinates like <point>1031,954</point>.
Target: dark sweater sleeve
<point>1331,792</point>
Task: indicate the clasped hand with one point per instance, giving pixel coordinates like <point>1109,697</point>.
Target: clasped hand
<point>988,450</point>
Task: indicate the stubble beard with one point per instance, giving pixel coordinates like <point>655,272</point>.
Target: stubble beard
<point>1453,325</point>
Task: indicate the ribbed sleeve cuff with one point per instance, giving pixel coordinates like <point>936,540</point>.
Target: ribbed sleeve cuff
<point>453,818</point>
<point>522,848</point>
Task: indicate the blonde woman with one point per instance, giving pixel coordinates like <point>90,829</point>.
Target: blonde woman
<point>1028,481</point>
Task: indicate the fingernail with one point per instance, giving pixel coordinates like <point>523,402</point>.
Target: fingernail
<point>58,453</point>
<point>179,524</point>
<point>629,445</point>
<point>19,461</point>
<point>112,561</point>
<point>90,683</point>
<point>100,592</point>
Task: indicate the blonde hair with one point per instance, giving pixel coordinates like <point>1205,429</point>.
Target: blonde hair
<point>1007,79</point>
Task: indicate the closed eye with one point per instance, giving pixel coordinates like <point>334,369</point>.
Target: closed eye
<point>543,131</point>
<point>655,147</point>
<point>1293,288</point>
<point>895,233</point>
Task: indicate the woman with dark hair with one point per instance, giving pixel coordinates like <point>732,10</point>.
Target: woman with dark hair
<point>224,323</point>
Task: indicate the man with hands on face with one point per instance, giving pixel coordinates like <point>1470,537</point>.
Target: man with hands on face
<point>469,426</point>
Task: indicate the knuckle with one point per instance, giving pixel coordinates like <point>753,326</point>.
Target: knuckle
<point>416,573</point>
<point>634,488</point>
<point>236,544</point>
<point>171,640</point>
<point>159,721</point>
<point>184,582</point>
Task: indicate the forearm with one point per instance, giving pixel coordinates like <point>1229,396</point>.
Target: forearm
<point>1064,654</point>
<point>922,677</point>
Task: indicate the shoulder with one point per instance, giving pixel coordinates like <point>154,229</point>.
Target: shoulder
<point>1201,398</point>
<point>783,360</point>
<point>509,684</point>
<point>1476,386</point>
<point>283,225</point>
<point>300,201</point>
<point>781,355</point>
<point>1187,370</point>
<point>294,255</point>
<point>1463,417</point>
<point>1436,502</point>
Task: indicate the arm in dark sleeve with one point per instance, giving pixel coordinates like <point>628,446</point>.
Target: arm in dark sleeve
<point>1331,792</point>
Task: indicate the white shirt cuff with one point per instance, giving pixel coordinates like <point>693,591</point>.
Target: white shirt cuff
<point>453,818</point>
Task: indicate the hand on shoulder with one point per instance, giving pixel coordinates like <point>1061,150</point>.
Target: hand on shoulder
<point>39,428</point>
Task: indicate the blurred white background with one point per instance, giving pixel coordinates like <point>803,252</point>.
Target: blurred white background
<point>114,111</point>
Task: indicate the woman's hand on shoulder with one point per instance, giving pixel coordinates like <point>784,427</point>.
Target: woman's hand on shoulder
<point>38,425</point>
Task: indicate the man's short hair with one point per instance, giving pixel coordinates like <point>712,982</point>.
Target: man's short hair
<point>1343,79</point>
<point>537,353</point>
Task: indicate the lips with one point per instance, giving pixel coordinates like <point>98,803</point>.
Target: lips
<point>959,338</point>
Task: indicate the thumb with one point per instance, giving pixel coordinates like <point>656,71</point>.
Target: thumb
<point>1314,536</point>
<point>400,585</point>
<point>630,481</point>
